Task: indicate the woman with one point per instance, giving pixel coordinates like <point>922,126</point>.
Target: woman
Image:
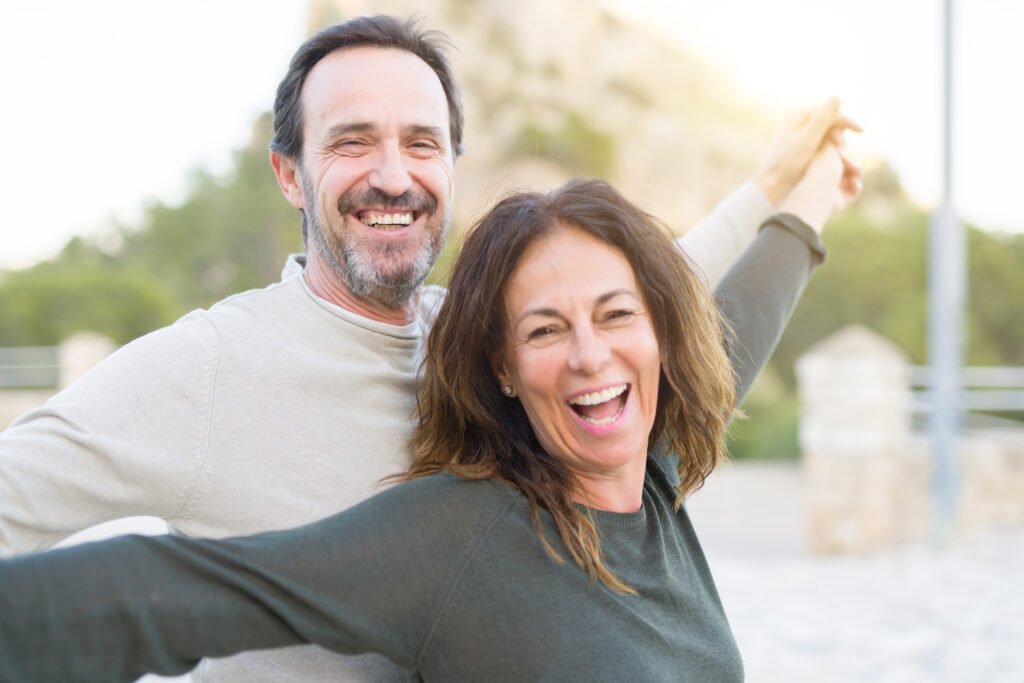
<point>576,388</point>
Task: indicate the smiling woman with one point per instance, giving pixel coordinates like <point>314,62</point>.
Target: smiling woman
<point>588,294</point>
<point>582,353</point>
<point>575,387</point>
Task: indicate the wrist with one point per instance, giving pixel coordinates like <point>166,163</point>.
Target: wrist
<point>814,209</point>
<point>771,185</point>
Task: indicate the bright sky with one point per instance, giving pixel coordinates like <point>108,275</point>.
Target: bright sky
<point>110,103</point>
<point>884,59</point>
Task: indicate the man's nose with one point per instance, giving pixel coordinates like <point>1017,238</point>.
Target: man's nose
<point>389,174</point>
<point>589,351</point>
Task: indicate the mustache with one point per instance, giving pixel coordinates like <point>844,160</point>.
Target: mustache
<point>352,201</point>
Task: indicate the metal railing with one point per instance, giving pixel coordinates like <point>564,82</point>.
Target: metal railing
<point>29,367</point>
<point>992,389</point>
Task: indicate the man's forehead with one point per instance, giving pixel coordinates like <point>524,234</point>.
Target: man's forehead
<point>363,79</point>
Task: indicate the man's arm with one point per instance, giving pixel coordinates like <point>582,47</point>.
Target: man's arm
<point>718,240</point>
<point>127,439</point>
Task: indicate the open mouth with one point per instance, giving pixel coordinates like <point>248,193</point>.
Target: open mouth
<point>601,408</point>
<point>387,220</point>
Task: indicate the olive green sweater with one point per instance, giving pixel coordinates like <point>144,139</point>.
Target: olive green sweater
<point>445,577</point>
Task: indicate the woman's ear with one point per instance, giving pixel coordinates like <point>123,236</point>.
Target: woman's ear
<point>499,369</point>
<point>501,372</point>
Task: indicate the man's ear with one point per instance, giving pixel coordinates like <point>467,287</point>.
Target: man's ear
<point>287,171</point>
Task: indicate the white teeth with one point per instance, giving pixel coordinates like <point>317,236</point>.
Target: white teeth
<point>604,421</point>
<point>387,219</point>
<point>595,397</point>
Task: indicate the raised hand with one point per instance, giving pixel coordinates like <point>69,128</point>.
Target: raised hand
<point>798,138</point>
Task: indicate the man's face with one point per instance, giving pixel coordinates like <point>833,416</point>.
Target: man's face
<point>376,170</point>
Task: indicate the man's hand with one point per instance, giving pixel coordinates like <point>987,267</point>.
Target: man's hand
<point>798,138</point>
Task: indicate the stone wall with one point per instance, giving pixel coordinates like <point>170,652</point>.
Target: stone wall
<point>867,473</point>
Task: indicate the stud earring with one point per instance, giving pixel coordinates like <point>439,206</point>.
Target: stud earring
<point>509,391</point>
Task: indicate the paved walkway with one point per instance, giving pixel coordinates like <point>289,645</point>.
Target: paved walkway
<point>916,614</point>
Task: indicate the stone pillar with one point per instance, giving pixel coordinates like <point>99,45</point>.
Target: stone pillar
<point>864,488</point>
<point>80,352</point>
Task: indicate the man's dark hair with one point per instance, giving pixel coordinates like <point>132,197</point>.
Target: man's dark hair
<point>376,31</point>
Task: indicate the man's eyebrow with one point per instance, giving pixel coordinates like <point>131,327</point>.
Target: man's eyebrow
<point>340,129</point>
<point>432,131</point>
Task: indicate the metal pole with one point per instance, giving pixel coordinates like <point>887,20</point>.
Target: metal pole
<point>946,286</point>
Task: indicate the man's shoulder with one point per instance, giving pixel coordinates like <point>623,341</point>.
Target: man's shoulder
<point>431,298</point>
<point>272,305</point>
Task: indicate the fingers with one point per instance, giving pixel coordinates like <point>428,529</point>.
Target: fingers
<point>827,123</point>
<point>800,136</point>
<point>846,123</point>
<point>851,183</point>
<point>820,122</point>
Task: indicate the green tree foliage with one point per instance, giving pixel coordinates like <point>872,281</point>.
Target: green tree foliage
<point>577,145</point>
<point>229,235</point>
<point>876,275</point>
<point>46,304</point>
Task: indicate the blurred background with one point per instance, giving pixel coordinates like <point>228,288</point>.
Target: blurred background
<point>136,187</point>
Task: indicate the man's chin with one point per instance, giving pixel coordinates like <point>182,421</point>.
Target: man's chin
<point>392,288</point>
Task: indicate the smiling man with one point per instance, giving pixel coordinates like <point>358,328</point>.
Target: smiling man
<point>373,179</point>
<point>281,406</point>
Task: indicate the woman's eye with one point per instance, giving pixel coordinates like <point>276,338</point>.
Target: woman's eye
<point>620,314</point>
<point>541,332</point>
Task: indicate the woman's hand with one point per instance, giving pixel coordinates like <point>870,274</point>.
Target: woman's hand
<point>798,138</point>
<point>830,183</point>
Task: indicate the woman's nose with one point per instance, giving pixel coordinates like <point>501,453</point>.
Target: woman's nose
<point>589,352</point>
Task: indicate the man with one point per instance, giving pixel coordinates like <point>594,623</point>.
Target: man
<point>283,405</point>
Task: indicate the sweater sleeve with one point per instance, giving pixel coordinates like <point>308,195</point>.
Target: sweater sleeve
<point>127,439</point>
<point>375,578</point>
<point>759,293</point>
<point>718,240</point>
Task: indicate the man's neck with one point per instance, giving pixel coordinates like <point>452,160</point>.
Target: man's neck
<point>327,286</point>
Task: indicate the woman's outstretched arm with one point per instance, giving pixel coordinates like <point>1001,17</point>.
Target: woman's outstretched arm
<point>371,579</point>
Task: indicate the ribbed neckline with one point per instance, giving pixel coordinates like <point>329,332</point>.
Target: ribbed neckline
<point>621,520</point>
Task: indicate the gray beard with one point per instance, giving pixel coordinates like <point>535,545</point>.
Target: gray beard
<point>358,269</point>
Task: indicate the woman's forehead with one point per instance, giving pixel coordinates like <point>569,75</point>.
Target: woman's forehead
<point>567,265</point>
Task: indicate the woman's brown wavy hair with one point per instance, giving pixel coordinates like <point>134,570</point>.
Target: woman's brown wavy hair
<point>469,428</point>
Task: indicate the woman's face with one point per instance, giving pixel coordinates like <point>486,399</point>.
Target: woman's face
<point>582,355</point>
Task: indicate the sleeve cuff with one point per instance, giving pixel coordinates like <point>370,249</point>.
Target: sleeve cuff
<point>805,233</point>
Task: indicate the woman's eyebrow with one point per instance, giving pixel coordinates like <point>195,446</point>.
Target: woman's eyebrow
<point>607,296</point>
<point>550,312</point>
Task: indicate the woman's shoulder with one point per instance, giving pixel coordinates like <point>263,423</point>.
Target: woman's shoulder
<point>460,506</point>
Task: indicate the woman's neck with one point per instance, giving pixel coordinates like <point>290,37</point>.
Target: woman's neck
<point>619,491</point>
